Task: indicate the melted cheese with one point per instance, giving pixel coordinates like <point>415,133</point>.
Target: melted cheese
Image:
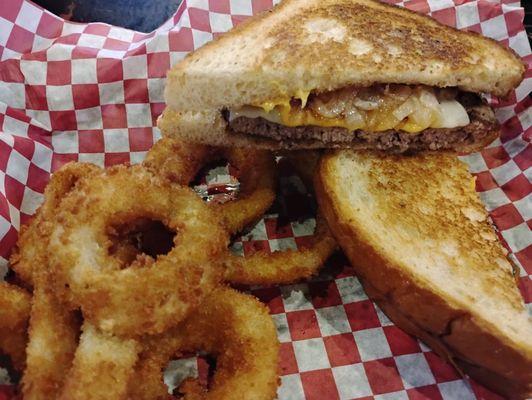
<point>443,114</point>
<point>268,106</point>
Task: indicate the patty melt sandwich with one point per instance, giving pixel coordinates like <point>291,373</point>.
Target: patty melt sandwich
<point>341,73</point>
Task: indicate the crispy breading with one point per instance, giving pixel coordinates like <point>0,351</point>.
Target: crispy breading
<point>151,294</point>
<point>15,304</point>
<point>54,328</point>
<point>102,366</point>
<point>235,328</point>
<point>180,162</point>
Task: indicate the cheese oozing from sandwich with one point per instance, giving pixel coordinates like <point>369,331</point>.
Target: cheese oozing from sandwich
<point>375,109</point>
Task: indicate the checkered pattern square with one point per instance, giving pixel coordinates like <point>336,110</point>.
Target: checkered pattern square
<point>93,92</point>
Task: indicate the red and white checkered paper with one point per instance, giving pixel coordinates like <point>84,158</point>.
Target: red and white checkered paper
<point>92,93</point>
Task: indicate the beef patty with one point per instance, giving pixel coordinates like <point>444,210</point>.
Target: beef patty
<point>482,129</point>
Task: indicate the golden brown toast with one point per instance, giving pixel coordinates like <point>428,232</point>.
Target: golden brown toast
<point>421,242</point>
<point>321,45</point>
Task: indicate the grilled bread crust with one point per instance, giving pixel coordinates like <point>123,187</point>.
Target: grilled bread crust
<point>421,242</point>
<point>322,45</point>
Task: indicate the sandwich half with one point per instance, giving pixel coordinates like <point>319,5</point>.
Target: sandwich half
<point>341,74</point>
<point>421,243</point>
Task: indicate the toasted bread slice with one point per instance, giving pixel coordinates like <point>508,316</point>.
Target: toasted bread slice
<point>322,45</point>
<point>421,242</point>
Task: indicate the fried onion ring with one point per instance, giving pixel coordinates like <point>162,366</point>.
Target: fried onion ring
<point>102,367</point>
<point>30,251</point>
<point>180,162</point>
<point>152,294</point>
<point>281,267</point>
<point>53,338</point>
<point>15,306</point>
<point>234,327</point>
<point>54,330</point>
<point>288,266</point>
